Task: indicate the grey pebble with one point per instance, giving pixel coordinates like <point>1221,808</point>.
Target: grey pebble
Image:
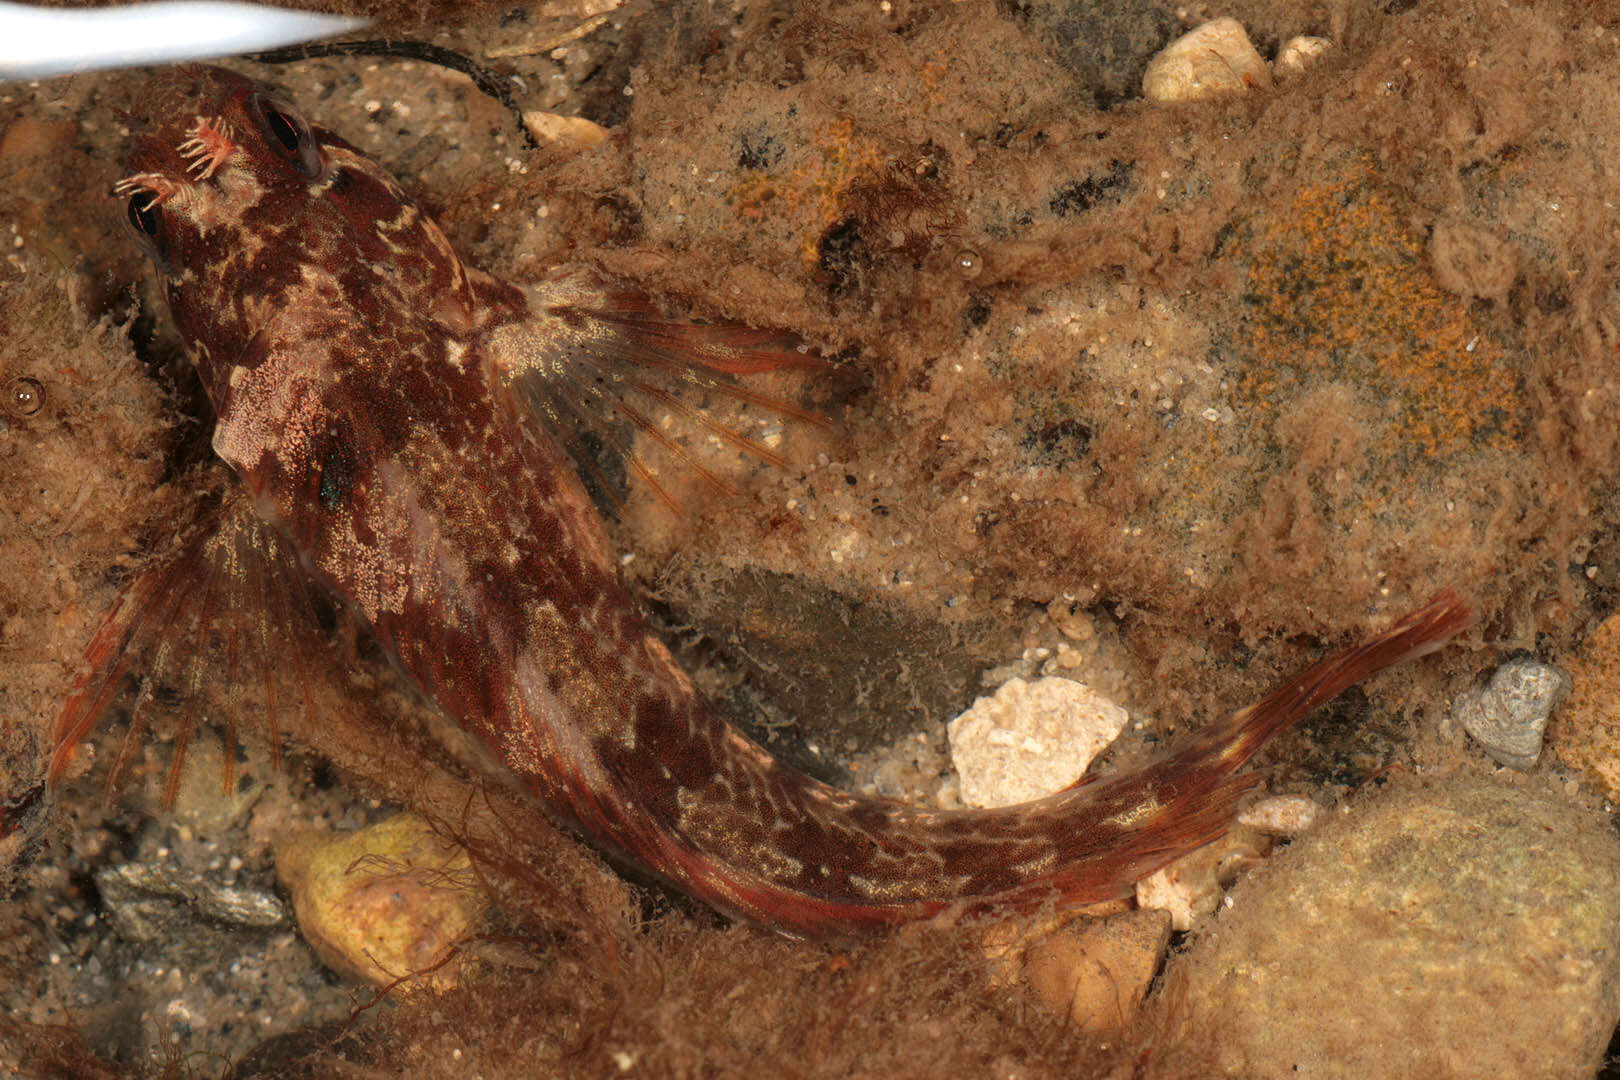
<point>152,903</point>
<point>1509,714</point>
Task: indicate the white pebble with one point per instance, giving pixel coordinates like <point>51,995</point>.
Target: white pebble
<point>1030,739</point>
<point>1194,885</point>
<point>1281,815</point>
<point>1299,53</point>
<point>1215,58</point>
<point>571,133</point>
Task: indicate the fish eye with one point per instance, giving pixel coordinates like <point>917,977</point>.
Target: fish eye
<point>25,396</point>
<point>144,216</point>
<point>284,130</point>
<point>287,135</point>
<point>146,222</point>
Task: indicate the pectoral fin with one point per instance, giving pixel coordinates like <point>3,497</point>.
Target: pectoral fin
<point>597,368</point>
<point>228,596</point>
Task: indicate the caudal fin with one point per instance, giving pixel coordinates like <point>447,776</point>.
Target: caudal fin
<point>1186,799</point>
<point>1418,634</point>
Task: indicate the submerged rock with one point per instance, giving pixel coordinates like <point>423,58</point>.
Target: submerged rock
<point>156,902</point>
<point>1097,973</point>
<point>1209,60</point>
<point>1281,815</point>
<point>1454,928</point>
<point>1031,739</point>
<point>1586,732</point>
<point>1193,886</point>
<point>1298,54</point>
<point>389,901</point>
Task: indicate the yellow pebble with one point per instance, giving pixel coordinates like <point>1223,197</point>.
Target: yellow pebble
<point>388,901</point>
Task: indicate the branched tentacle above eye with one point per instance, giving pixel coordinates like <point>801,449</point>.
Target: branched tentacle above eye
<point>212,142</point>
<point>160,188</point>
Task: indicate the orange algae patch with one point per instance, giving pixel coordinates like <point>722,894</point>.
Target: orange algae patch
<point>1586,730</point>
<point>1340,288</point>
<point>821,184</point>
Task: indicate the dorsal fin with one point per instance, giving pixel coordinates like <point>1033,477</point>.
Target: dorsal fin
<point>595,367</point>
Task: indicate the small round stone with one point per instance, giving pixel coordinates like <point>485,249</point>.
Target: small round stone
<point>1298,54</point>
<point>571,134</point>
<point>1193,886</point>
<point>1096,974</point>
<point>1281,815</point>
<point>390,900</point>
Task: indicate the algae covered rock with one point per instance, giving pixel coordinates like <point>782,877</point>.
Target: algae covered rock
<point>1453,928</point>
<point>1586,729</point>
<point>1097,973</point>
<point>385,902</point>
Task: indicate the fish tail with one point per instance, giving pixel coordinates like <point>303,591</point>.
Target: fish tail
<point>1418,634</point>
<point>838,863</point>
<point>1186,800</point>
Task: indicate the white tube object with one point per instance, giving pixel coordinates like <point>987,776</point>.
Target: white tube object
<point>36,43</point>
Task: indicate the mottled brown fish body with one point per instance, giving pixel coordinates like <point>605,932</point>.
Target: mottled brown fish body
<point>377,399</point>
